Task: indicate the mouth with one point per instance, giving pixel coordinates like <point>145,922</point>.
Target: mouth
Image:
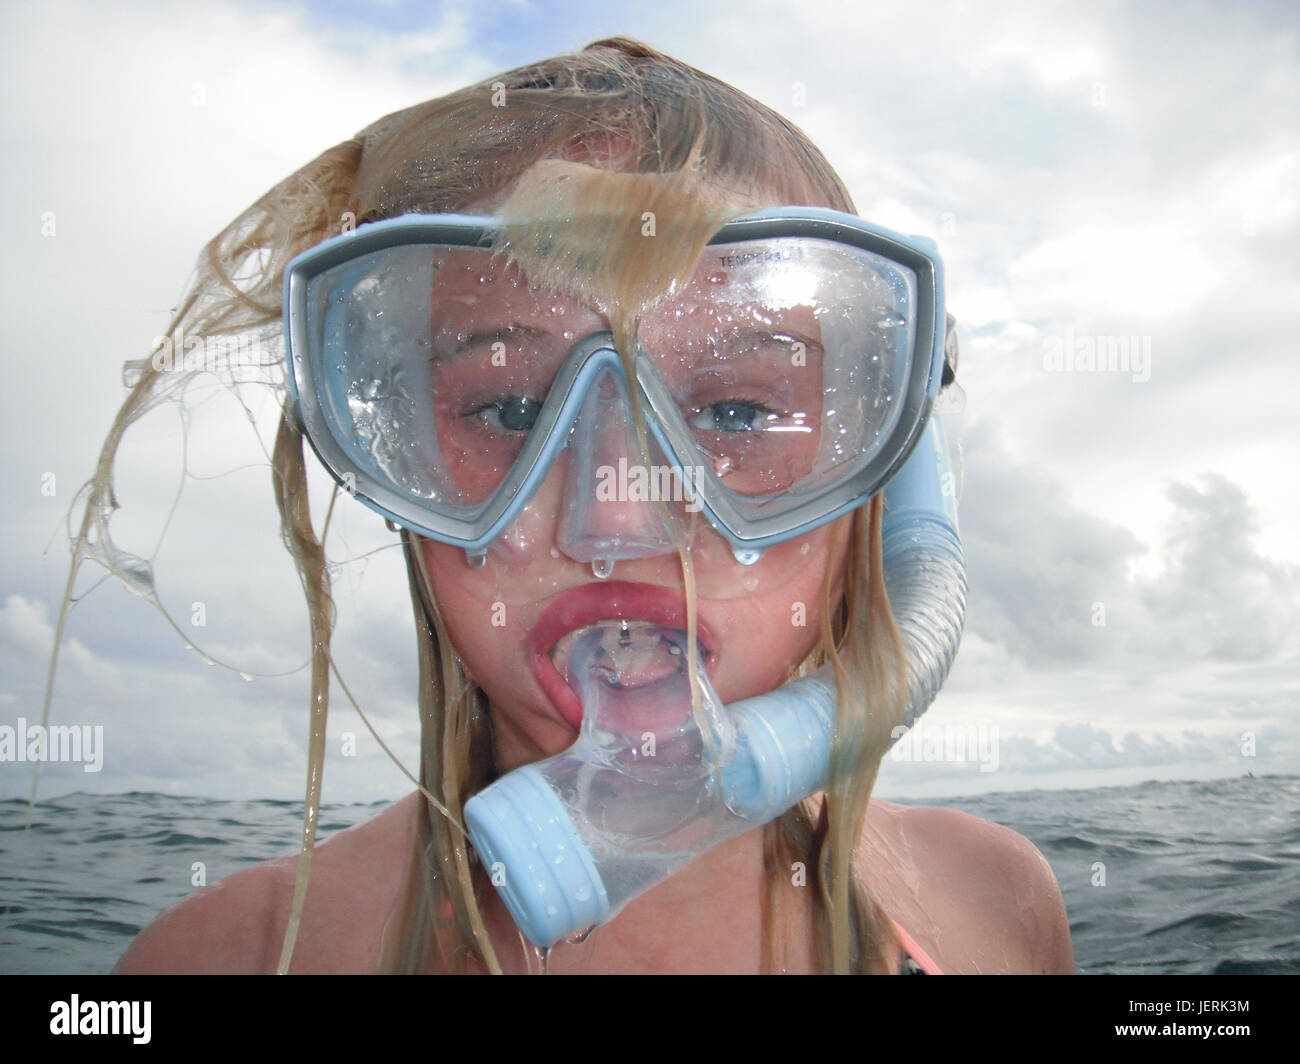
<point>628,639</point>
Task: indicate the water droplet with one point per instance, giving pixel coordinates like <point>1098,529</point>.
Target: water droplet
<point>579,937</point>
<point>133,371</point>
<point>746,555</point>
<point>476,559</point>
<point>601,568</point>
<point>137,575</point>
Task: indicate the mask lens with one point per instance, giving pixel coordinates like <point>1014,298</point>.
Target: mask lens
<point>785,359</point>
<point>436,363</point>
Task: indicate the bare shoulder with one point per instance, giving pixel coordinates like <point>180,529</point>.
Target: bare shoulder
<point>224,929</point>
<point>978,896</point>
<point>237,926</point>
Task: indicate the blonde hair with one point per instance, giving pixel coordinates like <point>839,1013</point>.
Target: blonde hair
<point>670,132</point>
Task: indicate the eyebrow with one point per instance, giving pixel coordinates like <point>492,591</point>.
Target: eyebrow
<point>797,337</point>
<point>789,335</point>
<point>481,338</point>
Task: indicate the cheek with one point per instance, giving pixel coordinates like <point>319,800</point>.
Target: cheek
<point>795,565</point>
<point>770,629</point>
<point>481,620</point>
<point>522,564</point>
<point>719,576</point>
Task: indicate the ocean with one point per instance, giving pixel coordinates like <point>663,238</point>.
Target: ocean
<point>1171,877</point>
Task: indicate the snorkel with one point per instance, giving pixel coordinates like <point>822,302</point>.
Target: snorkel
<point>569,841</point>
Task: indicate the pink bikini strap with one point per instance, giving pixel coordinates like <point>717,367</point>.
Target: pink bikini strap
<point>914,951</point>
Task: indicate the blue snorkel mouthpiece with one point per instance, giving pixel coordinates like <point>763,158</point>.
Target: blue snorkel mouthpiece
<point>650,784</point>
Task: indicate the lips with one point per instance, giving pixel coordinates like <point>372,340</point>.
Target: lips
<point>552,638</point>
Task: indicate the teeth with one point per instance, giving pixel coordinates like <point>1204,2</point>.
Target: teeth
<point>625,654</point>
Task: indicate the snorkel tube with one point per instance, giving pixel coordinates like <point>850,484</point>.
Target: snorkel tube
<point>571,840</point>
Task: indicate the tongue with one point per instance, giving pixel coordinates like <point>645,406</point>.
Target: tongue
<point>637,655</point>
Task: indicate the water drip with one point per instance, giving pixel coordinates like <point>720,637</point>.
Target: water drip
<point>543,958</point>
<point>602,568</point>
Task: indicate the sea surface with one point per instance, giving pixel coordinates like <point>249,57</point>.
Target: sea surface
<point>1181,877</point>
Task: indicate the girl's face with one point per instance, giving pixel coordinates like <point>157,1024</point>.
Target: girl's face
<point>511,621</point>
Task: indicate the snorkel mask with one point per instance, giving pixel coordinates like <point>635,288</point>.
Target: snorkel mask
<point>790,381</point>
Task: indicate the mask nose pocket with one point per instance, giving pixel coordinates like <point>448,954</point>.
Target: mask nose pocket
<point>616,502</point>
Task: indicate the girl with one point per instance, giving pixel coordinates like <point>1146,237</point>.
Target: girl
<point>605,174</point>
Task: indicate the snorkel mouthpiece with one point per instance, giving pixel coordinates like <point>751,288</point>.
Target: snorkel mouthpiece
<point>651,783</point>
<point>633,681</point>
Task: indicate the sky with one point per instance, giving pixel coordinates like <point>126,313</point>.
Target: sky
<point>1103,175</point>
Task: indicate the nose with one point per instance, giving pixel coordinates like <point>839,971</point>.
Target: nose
<point>616,499</point>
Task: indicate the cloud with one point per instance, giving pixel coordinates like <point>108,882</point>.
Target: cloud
<point>174,724</point>
<point>1037,565</point>
<point>1052,582</point>
<point>1084,745</point>
<point>1219,598</point>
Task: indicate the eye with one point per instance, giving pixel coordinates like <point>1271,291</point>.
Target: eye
<point>513,413</point>
<point>732,415</point>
